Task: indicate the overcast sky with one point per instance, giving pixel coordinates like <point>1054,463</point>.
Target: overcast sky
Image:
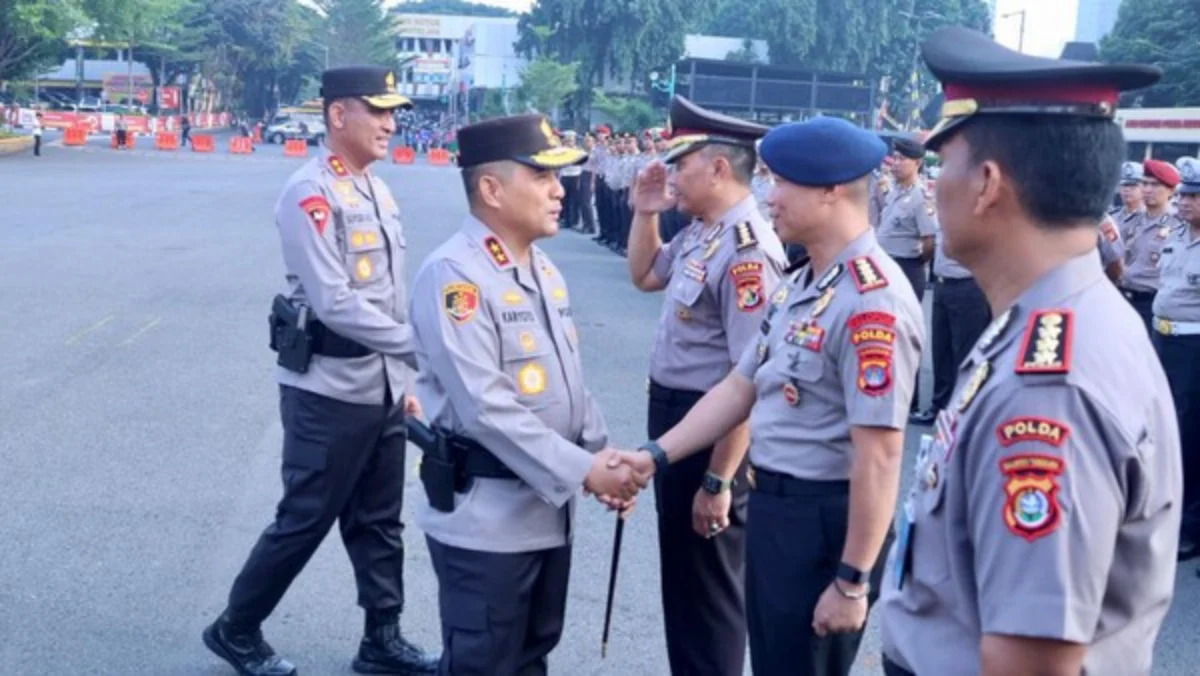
<point>1048,23</point>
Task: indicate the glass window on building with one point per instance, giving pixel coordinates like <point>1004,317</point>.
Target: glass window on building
<point>1169,152</point>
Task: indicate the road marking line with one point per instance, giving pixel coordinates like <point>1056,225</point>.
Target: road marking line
<point>98,325</point>
<point>138,334</point>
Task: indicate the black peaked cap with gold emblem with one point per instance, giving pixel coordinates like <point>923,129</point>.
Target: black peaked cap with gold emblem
<point>374,84</point>
<point>981,76</point>
<point>690,128</point>
<point>528,139</point>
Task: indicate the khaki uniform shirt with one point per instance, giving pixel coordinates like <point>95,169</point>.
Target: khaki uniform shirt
<point>1109,242</point>
<point>718,279</point>
<point>908,215</point>
<point>1144,237</point>
<point>499,355</point>
<point>1049,503</point>
<point>1178,298</point>
<point>344,251</point>
<point>835,353</point>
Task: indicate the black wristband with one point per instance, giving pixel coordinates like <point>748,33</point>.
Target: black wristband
<point>661,463</point>
<point>848,573</point>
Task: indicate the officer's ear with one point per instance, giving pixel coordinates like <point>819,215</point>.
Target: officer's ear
<point>489,181</point>
<point>335,115</point>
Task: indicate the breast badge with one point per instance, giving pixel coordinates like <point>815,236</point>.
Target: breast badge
<point>971,389</point>
<point>363,268</point>
<point>460,300</point>
<point>527,342</point>
<point>791,393</point>
<point>1031,508</point>
<point>531,379</point>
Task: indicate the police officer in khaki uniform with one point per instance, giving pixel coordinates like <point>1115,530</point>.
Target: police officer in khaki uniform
<point>1177,338</point>
<point>826,382</point>
<point>342,411</point>
<point>500,373</point>
<point>1131,196</point>
<point>907,226</point>
<point>1145,235</point>
<point>1112,249</point>
<point>1040,533</point>
<point>717,274</point>
<point>960,314</point>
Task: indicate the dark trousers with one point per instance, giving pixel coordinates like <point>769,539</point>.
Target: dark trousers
<point>37,145</point>
<point>586,183</point>
<point>1180,357</point>
<point>122,135</point>
<point>341,462</point>
<point>1143,303</point>
<point>795,534</point>
<point>703,579</point>
<point>570,203</point>
<point>914,270</point>
<point>960,315</point>
<point>502,614</point>
<point>890,668</point>
<point>603,209</point>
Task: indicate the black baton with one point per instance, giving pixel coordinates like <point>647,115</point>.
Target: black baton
<point>612,584</point>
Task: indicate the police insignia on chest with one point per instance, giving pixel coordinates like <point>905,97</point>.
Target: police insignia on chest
<point>791,393</point>
<point>712,248</point>
<point>978,378</point>
<point>1047,345</point>
<point>822,303</point>
<point>781,295</point>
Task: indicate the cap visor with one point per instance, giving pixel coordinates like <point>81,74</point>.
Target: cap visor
<point>389,101</point>
<point>682,145</point>
<point>942,131</point>
<point>554,158</point>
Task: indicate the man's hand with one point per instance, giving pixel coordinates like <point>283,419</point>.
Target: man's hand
<point>625,507</point>
<point>412,407</point>
<point>709,509</point>
<point>641,462</point>
<point>836,614</point>
<point>613,479</point>
<point>650,193</point>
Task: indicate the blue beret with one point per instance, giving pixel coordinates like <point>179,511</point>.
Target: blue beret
<point>823,151</point>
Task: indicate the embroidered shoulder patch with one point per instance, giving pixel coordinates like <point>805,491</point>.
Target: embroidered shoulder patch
<point>460,300</point>
<point>748,281</point>
<point>318,212</point>
<point>875,371</point>
<point>872,327</point>
<point>867,275</point>
<point>1031,508</point>
<point>1046,347</point>
<point>496,250</point>
<point>745,236</point>
<point>1043,430</point>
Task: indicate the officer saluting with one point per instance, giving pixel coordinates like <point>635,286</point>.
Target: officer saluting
<point>717,273</point>
<point>1041,529</point>
<point>343,343</point>
<point>1177,338</point>
<point>503,382</point>
<point>826,382</point>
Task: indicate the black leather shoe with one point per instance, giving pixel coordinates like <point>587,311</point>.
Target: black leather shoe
<point>245,650</point>
<point>922,417</point>
<point>1188,549</point>
<point>384,650</point>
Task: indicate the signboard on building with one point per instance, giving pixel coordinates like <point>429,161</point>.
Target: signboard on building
<point>115,87</point>
<point>415,25</point>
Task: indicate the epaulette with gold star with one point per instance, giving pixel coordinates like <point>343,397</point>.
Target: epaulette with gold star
<point>1046,347</point>
<point>745,236</point>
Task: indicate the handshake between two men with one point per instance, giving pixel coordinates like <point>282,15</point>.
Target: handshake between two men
<point>617,476</point>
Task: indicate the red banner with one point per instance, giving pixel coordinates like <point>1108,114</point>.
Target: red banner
<point>168,97</point>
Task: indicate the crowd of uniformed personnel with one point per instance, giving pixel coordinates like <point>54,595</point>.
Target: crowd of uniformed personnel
<point>1050,502</point>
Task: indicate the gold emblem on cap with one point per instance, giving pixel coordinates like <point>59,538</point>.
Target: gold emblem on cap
<point>548,131</point>
<point>390,80</point>
<point>960,108</point>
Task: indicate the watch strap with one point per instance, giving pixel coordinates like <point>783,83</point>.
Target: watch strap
<point>848,573</point>
<point>661,463</point>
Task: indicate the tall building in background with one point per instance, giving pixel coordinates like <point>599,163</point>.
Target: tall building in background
<point>1094,19</point>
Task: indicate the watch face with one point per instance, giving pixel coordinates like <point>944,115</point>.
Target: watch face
<point>711,484</point>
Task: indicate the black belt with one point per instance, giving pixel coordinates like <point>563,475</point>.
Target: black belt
<point>775,483</point>
<point>670,395</point>
<point>890,668</point>
<point>953,280</point>
<point>1138,295</point>
<point>473,460</point>
<point>329,344</point>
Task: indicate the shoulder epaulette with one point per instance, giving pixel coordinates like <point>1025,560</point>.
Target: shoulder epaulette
<point>745,236</point>
<point>866,274</point>
<point>1046,347</point>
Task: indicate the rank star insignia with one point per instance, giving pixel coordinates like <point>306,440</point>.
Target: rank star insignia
<point>1031,508</point>
<point>496,250</point>
<point>712,248</point>
<point>338,167</point>
<point>822,303</point>
<point>1047,344</point>
<point>978,378</point>
<point>867,275</point>
<point>745,236</point>
<point>531,379</point>
<point>460,300</point>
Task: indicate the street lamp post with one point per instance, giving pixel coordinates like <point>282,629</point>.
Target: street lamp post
<point>1021,35</point>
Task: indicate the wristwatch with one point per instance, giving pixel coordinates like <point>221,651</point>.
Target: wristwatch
<point>661,463</point>
<point>714,484</point>
<point>848,573</point>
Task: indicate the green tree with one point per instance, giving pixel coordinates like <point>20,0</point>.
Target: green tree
<point>32,32</point>
<point>358,32</point>
<point>455,7</point>
<point>1162,33</point>
<point>627,112</point>
<point>546,84</point>
<point>744,54</point>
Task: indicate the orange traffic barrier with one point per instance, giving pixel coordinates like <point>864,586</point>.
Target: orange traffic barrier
<point>295,148</point>
<point>404,155</point>
<point>75,136</point>
<point>439,156</point>
<point>241,145</point>
<point>257,133</point>
<point>166,140</point>
<point>203,143</point>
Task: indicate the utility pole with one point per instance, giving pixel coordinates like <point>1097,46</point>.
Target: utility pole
<point>1021,35</point>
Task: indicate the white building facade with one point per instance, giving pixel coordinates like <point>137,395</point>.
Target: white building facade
<point>429,45</point>
<point>1095,18</point>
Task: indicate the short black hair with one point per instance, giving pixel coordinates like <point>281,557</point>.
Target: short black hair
<point>1064,169</point>
<point>471,176</point>
<point>742,160</point>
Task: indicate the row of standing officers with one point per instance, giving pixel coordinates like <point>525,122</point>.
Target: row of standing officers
<point>1040,532</point>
